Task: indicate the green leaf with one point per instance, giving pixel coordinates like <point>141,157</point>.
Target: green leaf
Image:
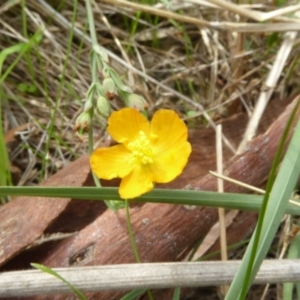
<point>133,295</point>
<point>176,295</point>
<point>293,253</point>
<point>53,273</point>
<point>273,208</point>
<point>184,197</point>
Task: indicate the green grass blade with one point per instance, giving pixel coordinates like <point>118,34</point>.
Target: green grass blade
<point>298,290</point>
<point>5,177</point>
<point>293,253</point>
<point>10,50</point>
<point>20,48</point>
<point>133,295</point>
<point>53,273</point>
<point>176,295</point>
<point>184,197</point>
<point>276,206</point>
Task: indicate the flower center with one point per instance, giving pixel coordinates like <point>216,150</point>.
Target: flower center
<point>141,150</point>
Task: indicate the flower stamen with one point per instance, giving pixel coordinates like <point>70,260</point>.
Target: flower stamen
<point>141,149</point>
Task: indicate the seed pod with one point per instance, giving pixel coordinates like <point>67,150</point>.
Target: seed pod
<point>109,88</point>
<point>83,122</point>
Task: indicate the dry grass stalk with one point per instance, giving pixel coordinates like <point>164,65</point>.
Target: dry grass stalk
<point>141,276</point>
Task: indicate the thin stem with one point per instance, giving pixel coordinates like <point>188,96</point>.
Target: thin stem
<point>91,22</point>
<point>131,235</point>
<point>132,241</point>
<point>95,79</point>
<point>91,140</point>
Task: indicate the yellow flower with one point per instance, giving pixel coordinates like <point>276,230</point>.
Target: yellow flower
<point>146,153</point>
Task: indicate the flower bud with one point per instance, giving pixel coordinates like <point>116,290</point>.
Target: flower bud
<point>109,88</point>
<point>83,122</point>
<point>137,102</point>
<point>103,106</point>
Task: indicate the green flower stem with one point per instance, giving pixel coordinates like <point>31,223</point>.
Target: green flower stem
<point>95,80</point>
<point>131,235</point>
<point>94,71</point>
<point>91,22</point>
<point>97,182</point>
<point>94,75</point>
<point>132,241</point>
<point>91,142</point>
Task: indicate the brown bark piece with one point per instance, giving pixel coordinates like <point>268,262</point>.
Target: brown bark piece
<point>24,219</point>
<point>164,232</point>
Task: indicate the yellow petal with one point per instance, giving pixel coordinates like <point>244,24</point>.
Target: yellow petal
<point>124,125</point>
<point>168,166</point>
<point>138,182</point>
<point>167,130</point>
<point>112,162</point>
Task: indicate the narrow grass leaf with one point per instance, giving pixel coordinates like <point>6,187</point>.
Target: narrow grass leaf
<point>20,48</point>
<point>293,253</point>
<point>10,50</point>
<point>277,203</point>
<point>298,290</point>
<point>5,177</point>
<point>55,274</point>
<point>133,295</point>
<point>180,197</point>
<point>176,295</point>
